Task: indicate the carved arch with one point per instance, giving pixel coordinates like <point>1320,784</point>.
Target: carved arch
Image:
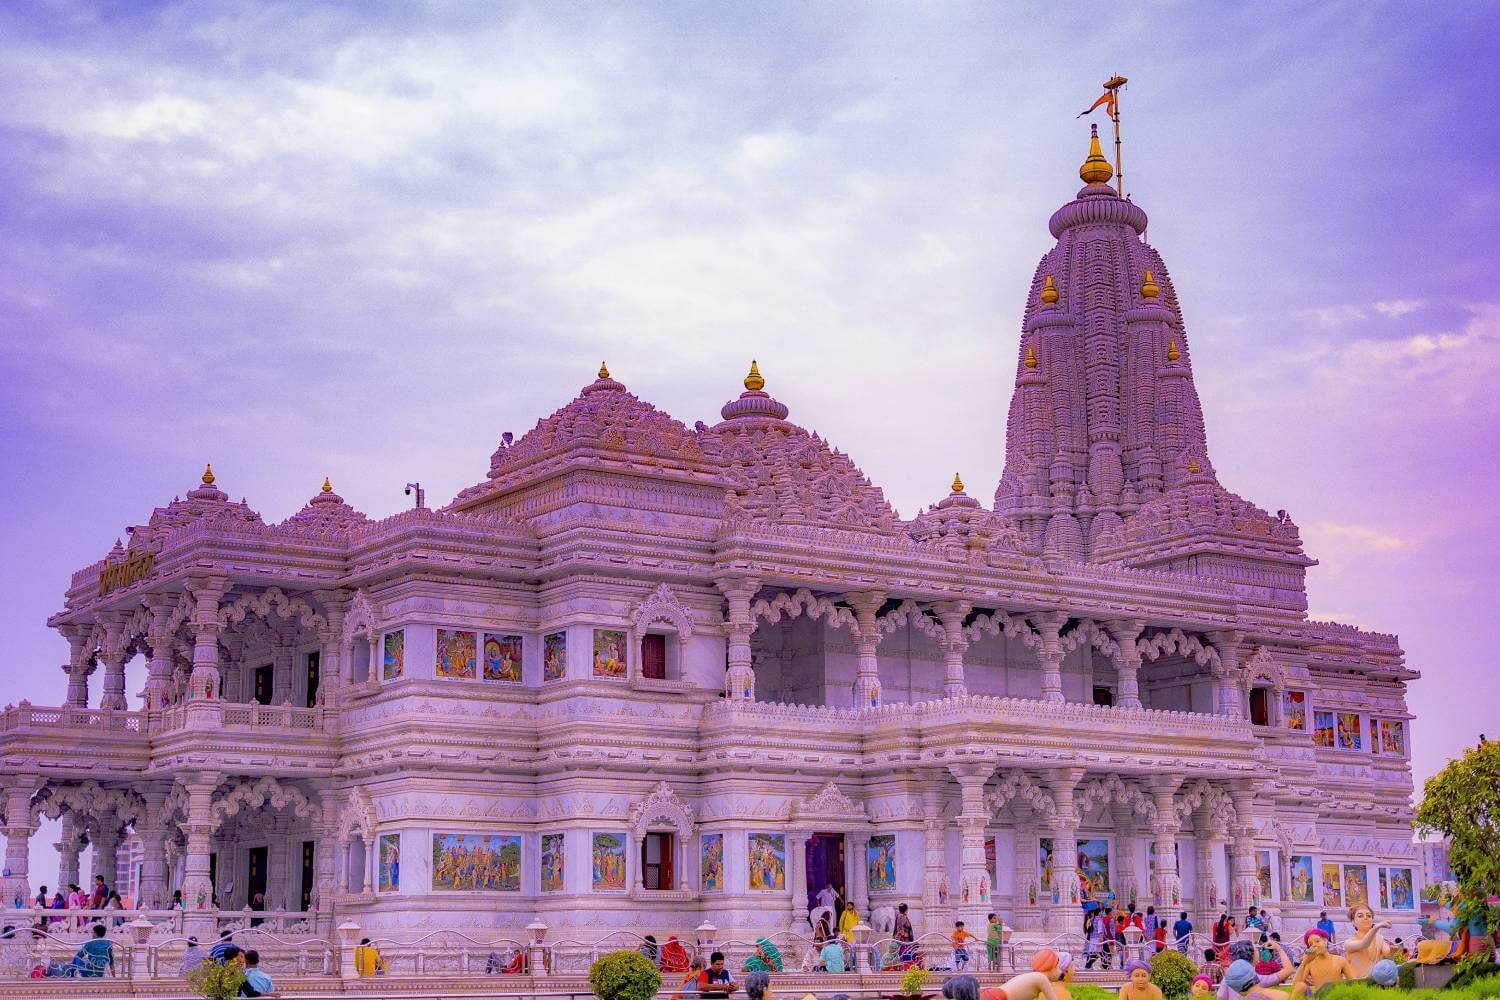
<point>357,814</point>
<point>268,790</point>
<point>89,799</point>
<point>1088,632</point>
<point>1263,666</point>
<point>999,623</point>
<point>1215,802</point>
<point>662,605</point>
<point>271,601</point>
<point>909,612</point>
<point>1017,785</point>
<point>662,805</point>
<point>1112,788</point>
<point>361,617</point>
<point>801,603</point>
<point>1181,644</point>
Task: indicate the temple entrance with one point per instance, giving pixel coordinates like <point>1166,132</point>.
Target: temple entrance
<point>264,676</point>
<point>255,877</point>
<point>825,867</point>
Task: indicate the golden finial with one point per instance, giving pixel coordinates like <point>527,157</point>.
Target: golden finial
<point>1095,169</point>
<point>754,382</point>
<point>327,486</point>
<point>958,484</point>
<point>1193,467</point>
<point>208,475</point>
<point>1173,354</point>
<point>1149,288</point>
<point>1031,358</point>
<point>1049,292</point>
<point>603,370</point>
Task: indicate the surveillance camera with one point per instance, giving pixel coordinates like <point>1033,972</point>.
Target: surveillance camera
<point>408,491</point>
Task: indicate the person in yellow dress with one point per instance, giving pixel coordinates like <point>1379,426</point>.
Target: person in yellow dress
<point>848,920</point>
<point>367,960</point>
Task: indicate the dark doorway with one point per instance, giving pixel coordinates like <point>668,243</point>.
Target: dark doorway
<point>825,867</point>
<point>1260,707</point>
<point>314,663</point>
<point>654,656</point>
<point>1104,696</point>
<point>263,678</point>
<point>307,870</point>
<point>255,879</point>
<point>213,878</point>
<point>656,861</point>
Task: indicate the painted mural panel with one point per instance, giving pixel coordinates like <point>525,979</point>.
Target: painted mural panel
<point>1403,890</point>
<point>1263,872</point>
<point>609,653</point>
<point>1393,737</point>
<point>555,656</point>
<point>1356,885</point>
<point>1303,888</point>
<point>1294,710</point>
<point>767,857</point>
<point>880,862</point>
<point>1093,867</point>
<point>502,657</point>
<point>394,659</point>
<point>1044,862</point>
<point>455,654</point>
<point>486,862</point>
<point>554,862</point>
<point>711,862</point>
<point>1323,728</point>
<point>1333,885</point>
<point>609,862</point>
<point>388,877</point>
<point>1350,737</point>
<point>1385,888</point>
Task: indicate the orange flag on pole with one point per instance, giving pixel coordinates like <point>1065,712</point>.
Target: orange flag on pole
<point>1108,100</point>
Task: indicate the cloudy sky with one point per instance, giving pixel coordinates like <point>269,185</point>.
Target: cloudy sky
<point>362,240</point>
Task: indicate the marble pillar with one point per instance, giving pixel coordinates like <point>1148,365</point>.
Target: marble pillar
<point>739,680</point>
<point>866,644</point>
<point>952,614</point>
<point>1065,913</point>
<point>936,911</point>
<point>796,861</point>
<point>1125,632</point>
<point>1049,624</point>
<point>973,819</point>
<point>153,833</point>
<point>18,790</point>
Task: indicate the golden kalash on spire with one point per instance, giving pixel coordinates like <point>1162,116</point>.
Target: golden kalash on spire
<point>1149,288</point>
<point>208,475</point>
<point>753,381</point>
<point>327,486</point>
<point>958,484</point>
<point>603,370</point>
<point>1095,169</point>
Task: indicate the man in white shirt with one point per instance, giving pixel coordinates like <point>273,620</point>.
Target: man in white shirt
<point>826,896</point>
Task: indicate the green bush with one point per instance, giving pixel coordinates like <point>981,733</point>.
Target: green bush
<point>1406,976</point>
<point>1173,972</point>
<point>624,975</point>
<point>217,980</point>
<point>1472,971</point>
<point>1088,991</point>
<point>913,982</point>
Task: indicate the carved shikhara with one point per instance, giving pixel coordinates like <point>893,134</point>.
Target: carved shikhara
<point>833,670</point>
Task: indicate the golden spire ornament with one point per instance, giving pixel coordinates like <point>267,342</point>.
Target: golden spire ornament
<point>1095,169</point>
<point>208,475</point>
<point>603,370</point>
<point>753,381</point>
<point>1149,288</point>
<point>958,484</point>
<point>1193,467</point>
<point>1031,358</point>
<point>1050,294</point>
<point>327,486</point>
<point>1173,354</point>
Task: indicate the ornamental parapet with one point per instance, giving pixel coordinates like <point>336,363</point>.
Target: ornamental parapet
<point>282,718</point>
<point>36,718</point>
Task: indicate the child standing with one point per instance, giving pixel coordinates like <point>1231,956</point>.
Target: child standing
<point>961,939</point>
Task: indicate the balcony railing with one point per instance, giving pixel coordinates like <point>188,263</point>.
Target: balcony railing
<point>30,718</point>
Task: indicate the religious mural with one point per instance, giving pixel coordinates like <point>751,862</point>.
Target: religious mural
<point>1263,872</point>
<point>489,862</point>
<point>1333,885</point>
<point>1302,888</point>
<point>711,862</point>
<point>767,861</point>
<point>1350,737</point>
<point>1356,885</point>
<point>609,653</point>
<point>1402,891</point>
<point>555,656</point>
<point>554,862</point>
<point>395,655</point>
<point>1093,867</point>
<point>1323,729</point>
<point>880,859</point>
<point>1044,862</point>
<point>455,654</point>
<point>1393,737</point>
<point>502,657</point>
<point>609,861</point>
<point>388,876</point>
<point>1294,710</point>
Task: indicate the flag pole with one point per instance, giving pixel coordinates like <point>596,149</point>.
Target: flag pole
<point>1114,84</point>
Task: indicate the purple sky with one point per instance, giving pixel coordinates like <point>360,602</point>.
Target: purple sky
<point>361,241</point>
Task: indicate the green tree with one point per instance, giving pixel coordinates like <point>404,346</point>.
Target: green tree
<point>624,975</point>
<point>1462,802</point>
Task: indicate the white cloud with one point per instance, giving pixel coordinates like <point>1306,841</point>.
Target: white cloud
<point>1396,308</point>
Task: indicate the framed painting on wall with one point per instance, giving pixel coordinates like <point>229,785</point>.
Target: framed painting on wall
<point>502,657</point>
<point>711,862</point>
<point>767,861</point>
<point>394,659</point>
<point>554,862</point>
<point>1333,885</point>
<point>476,862</point>
<point>555,656</point>
<point>1323,729</point>
<point>1356,885</point>
<point>455,654</point>
<point>1294,710</point>
<point>880,861</point>
<point>388,877</point>
<point>1301,884</point>
<point>609,653</point>
<point>608,851</point>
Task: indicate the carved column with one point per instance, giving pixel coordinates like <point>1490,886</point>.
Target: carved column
<point>739,681</point>
<point>1065,914</point>
<point>282,655</point>
<point>866,641</point>
<point>331,658</point>
<point>936,913</point>
<point>18,790</point>
<point>325,860</point>
<point>1206,841</point>
<point>1125,632</point>
<point>159,672</point>
<point>78,665</point>
<point>974,876</point>
<point>1229,643</point>
<point>197,886</point>
<point>1166,884</point>
<point>1244,875</point>
<point>114,654</point>
<point>204,710</point>
<point>952,615</point>
<point>1125,884</point>
<point>106,859</point>
<point>369,857</point>
<point>151,828</point>
<point>1049,624</point>
<point>796,861</point>
<point>69,847</point>
<point>859,851</point>
<point>1028,889</point>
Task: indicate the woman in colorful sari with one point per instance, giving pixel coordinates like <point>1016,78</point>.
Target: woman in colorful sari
<point>674,957</point>
<point>766,958</point>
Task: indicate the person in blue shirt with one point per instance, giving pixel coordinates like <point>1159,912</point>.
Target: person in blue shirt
<point>1325,925</point>
<point>96,955</point>
<point>832,956</point>
<point>257,983</point>
<point>1180,932</point>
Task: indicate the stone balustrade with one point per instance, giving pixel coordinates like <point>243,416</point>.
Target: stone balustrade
<point>32,718</point>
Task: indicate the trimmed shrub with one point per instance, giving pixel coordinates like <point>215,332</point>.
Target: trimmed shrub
<point>1173,972</point>
<point>624,975</point>
<point>1472,971</point>
<point>1088,991</point>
